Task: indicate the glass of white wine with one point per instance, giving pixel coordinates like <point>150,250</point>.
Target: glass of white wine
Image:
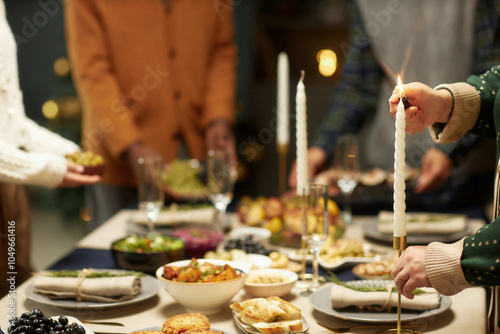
<point>346,165</point>
<point>221,176</point>
<point>315,226</point>
<point>150,190</point>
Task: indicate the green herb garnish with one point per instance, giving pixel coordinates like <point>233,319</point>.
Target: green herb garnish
<point>367,287</point>
<point>93,274</point>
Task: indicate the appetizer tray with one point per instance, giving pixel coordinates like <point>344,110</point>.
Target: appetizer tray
<point>321,301</point>
<point>252,330</point>
<point>158,328</point>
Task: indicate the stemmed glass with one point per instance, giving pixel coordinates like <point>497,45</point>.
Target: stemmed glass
<point>347,166</point>
<point>221,176</point>
<point>315,226</point>
<point>150,190</point>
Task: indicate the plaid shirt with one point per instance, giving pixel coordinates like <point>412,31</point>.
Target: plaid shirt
<point>362,76</point>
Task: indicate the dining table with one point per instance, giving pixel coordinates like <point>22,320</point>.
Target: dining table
<point>467,313</point>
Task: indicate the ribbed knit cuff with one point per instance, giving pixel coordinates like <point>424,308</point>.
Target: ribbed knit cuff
<point>467,104</point>
<point>442,264</point>
<point>52,174</point>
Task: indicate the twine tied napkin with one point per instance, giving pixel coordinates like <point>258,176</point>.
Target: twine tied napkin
<point>342,296</point>
<point>423,223</point>
<point>83,287</point>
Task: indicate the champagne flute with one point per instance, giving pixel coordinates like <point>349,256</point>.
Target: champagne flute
<point>150,190</point>
<point>221,177</point>
<point>315,226</point>
<point>347,166</point>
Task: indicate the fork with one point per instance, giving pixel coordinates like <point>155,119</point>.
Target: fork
<point>348,329</point>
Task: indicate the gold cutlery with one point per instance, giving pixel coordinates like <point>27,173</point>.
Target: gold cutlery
<point>108,323</point>
<point>348,329</point>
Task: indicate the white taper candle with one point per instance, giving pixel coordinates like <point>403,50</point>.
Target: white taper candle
<point>399,173</point>
<point>301,142</point>
<point>283,101</point>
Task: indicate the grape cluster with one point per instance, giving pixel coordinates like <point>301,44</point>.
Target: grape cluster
<point>35,322</point>
<point>248,244</point>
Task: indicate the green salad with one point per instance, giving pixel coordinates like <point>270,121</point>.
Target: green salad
<point>151,243</point>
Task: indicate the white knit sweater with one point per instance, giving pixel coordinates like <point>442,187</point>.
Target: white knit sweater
<point>29,153</point>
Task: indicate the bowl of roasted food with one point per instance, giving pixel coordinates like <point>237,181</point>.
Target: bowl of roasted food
<point>146,253</point>
<point>93,163</point>
<point>269,282</point>
<point>204,286</point>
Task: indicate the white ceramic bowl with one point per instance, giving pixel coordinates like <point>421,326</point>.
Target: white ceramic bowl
<point>205,298</point>
<point>264,290</point>
<point>258,234</point>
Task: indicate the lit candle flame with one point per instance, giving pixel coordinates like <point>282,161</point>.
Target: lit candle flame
<point>400,86</point>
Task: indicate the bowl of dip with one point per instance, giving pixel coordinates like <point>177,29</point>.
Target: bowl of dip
<point>269,282</point>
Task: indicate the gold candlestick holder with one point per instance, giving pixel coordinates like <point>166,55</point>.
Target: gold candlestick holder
<point>282,175</point>
<point>399,244</point>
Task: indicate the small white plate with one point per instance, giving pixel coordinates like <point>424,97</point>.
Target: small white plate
<point>296,255</point>
<point>350,260</point>
<point>260,261</point>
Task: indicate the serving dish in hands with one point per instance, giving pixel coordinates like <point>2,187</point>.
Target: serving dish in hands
<point>209,297</point>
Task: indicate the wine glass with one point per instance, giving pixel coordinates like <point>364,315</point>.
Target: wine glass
<point>346,165</point>
<point>150,190</point>
<point>315,226</point>
<point>221,176</point>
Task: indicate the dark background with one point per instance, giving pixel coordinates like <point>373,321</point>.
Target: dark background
<point>263,29</point>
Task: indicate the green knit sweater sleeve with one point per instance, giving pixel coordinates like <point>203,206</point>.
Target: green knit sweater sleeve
<point>487,85</point>
<point>481,251</point>
<point>475,260</point>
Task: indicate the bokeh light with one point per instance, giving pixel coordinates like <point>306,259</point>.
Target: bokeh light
<point>50,109</point>
<point>327,60</point>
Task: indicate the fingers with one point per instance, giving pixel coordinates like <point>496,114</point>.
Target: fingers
<point>72,180</point>
<point>423,184</point>
<point>403,286</point>
<point>74,167</point>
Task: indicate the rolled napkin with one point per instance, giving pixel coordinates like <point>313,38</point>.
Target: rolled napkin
<point>423,223</point>
<point>168,217</point>
<point>343,296</point>
<point>86,287</point>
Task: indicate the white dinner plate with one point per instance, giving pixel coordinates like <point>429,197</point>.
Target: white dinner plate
<point>321,301</point>
<point>252,330</point>
<point>158,328</point>
<point>349,261</point>
<point>5,327</point>
<point>370,231</point>
<point>150,287</point>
